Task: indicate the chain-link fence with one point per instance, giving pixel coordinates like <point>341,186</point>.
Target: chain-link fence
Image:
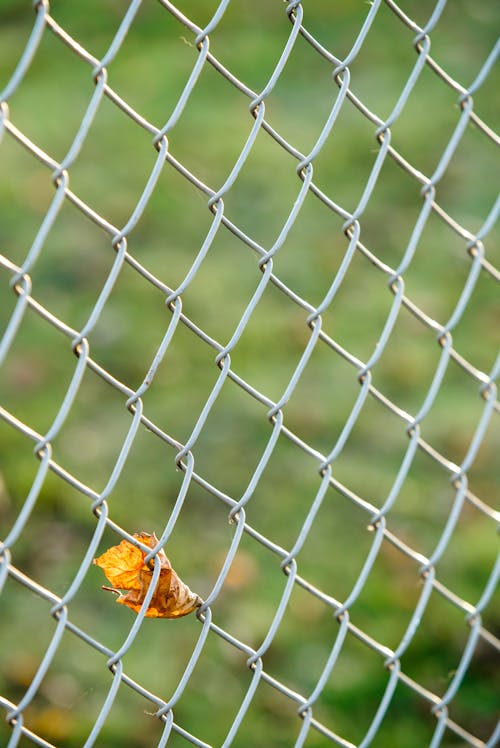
<point>247,272</point>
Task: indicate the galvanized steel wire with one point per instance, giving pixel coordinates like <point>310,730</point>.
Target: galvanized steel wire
<point>378,517</point>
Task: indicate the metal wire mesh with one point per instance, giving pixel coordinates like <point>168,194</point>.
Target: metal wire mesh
<point>326,391</point>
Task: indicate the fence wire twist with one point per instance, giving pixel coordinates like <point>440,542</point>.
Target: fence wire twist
<point>311,723</point>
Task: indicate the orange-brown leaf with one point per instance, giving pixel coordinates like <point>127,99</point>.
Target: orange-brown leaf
<point>124,567</point>
<point>121,565</point>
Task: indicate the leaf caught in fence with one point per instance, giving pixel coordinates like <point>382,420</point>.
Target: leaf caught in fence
<point>124,567</point>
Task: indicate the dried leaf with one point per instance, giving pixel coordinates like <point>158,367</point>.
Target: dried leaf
<point>124,567</point>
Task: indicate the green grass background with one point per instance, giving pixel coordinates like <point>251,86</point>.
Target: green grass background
<point>150,72</point>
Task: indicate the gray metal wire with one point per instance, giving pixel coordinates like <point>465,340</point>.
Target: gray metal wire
<point>378,518</point>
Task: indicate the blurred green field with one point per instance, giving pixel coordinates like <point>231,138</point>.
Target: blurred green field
<point>149,73</point>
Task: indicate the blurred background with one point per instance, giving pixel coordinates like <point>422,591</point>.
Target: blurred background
<point>149,73</point>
